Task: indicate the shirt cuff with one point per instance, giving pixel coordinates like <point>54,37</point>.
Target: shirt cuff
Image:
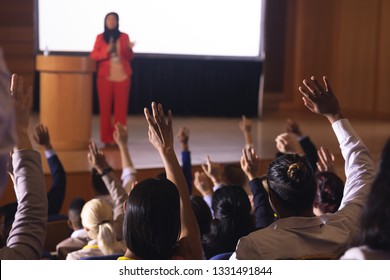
<point>50,153</point>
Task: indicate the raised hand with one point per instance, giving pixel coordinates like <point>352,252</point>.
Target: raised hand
<point>326,160</point>
<point>160,131</point>
<point>42,137</point>
<point>245,126</point>
<point>287,143</point>
<point>319,99</point>
<point>96,158</point>
<point>293,127</point>
<point>120,135</point>
<point>250,163</point>
<point>202,183</point>
<point>213,170</point>
<point>22,101</point>
<point>183,136</point>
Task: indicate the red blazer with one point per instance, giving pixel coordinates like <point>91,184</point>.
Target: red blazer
<point>99,53</point>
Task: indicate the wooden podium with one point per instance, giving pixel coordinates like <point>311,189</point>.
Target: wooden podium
<point>66,85</point>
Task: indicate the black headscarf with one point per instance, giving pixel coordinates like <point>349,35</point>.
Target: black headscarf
<point>111,33</point>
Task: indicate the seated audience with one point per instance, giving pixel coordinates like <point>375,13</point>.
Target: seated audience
<point>232,220</point>
<point>56,194</point>
<point>298,233</point>
<point>79,238</point>
<point>102,222</point>
<point>329,186</point>
<point>27,235</point>
<point>159,222</point>
<point>250,164</point>
<point>373,242</point>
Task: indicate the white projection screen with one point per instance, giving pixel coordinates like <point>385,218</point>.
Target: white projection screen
<point>206,28</point>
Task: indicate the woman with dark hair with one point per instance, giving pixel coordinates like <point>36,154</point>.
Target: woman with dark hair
<point>113,51</point>
<point>159,222</point>
<point>298,233</point>
<point>232,220</point>
<point>374,238</point>
<point>202,213</point>
<point>329,193</point>
<point>152,224</point>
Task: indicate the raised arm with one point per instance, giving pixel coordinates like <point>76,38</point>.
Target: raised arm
<point>359,167</point>
<point>305,142</point>
<point>56,194</point>
<point>161,136</point>
<point>250,164</point>
<point>129,173</point>
<point>184,135</point>
<point>97,160</point>
<point>245,126</point>
<point>27,235</point>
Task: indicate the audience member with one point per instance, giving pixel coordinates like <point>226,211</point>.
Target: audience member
<point>232,220</point>
<point>79,238</point>
<point>159,221</point>
<point>183,136</point>
<point>56,194</point>
<point>298,233</point>
<point>374,236</point>
<point>250,164</point>
<point>129,173</point>
<point>102,222</point>
<point>330,187</point>
<point>27,234</point>
<point>202,213</point>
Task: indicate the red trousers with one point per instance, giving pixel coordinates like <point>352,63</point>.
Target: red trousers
<point>112,95</point>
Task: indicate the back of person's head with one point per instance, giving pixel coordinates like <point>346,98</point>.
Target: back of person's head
<point>74,213</point>
<point>97,219</point>
<point>232,220</point>
<point>98,183</point>
<point>329,192</point>
<point>152,221</point>
<point>202,213</point>
<point>7,121</point>
<point>375,227</point>
<point>291,179</point>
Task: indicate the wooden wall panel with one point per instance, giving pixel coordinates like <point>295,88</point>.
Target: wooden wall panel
<point>382,104</point>
<point>312,51</point>
<point>355,54</point>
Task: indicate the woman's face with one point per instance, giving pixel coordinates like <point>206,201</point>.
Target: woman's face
<point>111,22</point>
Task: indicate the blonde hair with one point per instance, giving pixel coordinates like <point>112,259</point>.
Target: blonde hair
<point>97,217</point>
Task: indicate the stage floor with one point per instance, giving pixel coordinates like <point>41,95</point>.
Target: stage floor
<point>222,140</point>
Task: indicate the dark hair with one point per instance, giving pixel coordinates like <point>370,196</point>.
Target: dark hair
<point>375,227</point>
<point>152,222</point>
<point>329,192</point>
<point>202,213</point>
<point>232,220</point>
<point>111,33</point>
<point>98,183</point>
<point>290,177</point>
<point>74,211</point>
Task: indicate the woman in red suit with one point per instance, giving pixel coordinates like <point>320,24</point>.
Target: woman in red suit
<point>113,52</point>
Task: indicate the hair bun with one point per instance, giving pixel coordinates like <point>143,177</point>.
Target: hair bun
<point>296,172</point>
